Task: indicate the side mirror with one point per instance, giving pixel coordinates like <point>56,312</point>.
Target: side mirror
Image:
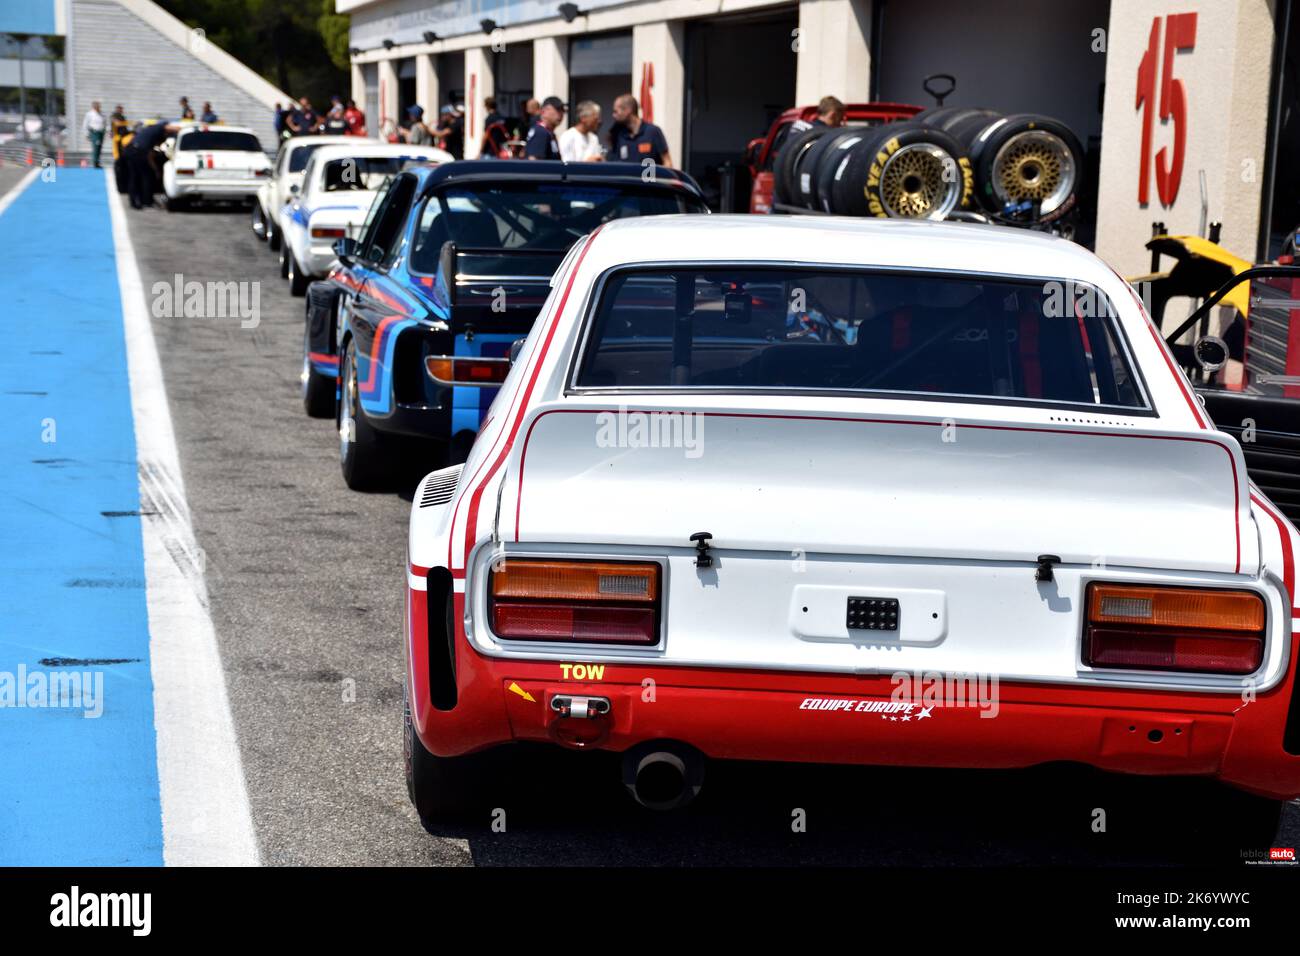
<point>1211,353</point>
<point>346,249</point>
<point>516,347</point>
<point>293,190</point>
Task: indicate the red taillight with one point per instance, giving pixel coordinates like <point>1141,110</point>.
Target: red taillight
<point>320,233</point>
<point>1177,629</point>
<point>448,370</point>
<point>602,602</point>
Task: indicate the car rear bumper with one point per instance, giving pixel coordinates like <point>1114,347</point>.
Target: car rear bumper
<point>820,718</point>
<point>216,188</point>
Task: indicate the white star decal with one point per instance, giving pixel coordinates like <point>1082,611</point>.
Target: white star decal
<point>907,716</point>
<point>925,712</point>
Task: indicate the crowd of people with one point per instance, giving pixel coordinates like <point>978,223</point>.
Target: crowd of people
<point>533,136</point>
<point>300,119</point>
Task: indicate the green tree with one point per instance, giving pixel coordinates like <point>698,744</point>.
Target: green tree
<point>299,45</point>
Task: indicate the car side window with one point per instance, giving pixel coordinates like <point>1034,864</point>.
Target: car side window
<point>384,236</point>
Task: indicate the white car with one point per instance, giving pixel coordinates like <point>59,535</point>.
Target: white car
<point>849,491</point>
<point>338,187</point>
<point>286,179</point>
<point>213,162</point>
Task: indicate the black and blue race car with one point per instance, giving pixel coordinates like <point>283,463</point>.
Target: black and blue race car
<point>409,336</point>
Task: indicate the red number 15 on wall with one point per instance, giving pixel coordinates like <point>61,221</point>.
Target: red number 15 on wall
<point>1180,34</point>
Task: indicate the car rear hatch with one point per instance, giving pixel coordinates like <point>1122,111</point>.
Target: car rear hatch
<point>940,521</point>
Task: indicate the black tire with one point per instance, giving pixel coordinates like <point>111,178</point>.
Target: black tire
<point>830,158</point>
<point>961,123</point>
<point>362,456</point>
<point>790,163</point>
<point>179,204</point>
<point>318,391</point>
<point>444,789</point>
<point>1056,142</point>
<point>805,184</point>
<point>284,261</point>
<point>258,218</point>
<point>273,235</point>
<point>298,280</point>
<point>870,181</point>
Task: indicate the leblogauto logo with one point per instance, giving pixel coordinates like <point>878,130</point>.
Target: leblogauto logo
<point>1285,853</point>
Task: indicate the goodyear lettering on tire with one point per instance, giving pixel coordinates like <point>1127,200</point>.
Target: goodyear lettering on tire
<point>874,205</point>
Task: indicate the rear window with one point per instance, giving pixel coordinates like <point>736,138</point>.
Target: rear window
<point>298,158</point>
<point>915,334</point>
<point>532,217</point>
<point>366,173</point>
<point>213,140</point>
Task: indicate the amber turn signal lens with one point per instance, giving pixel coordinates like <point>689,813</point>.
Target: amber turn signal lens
<point>448,370</point>
<point>599,581</point>
<point>1196,608</point>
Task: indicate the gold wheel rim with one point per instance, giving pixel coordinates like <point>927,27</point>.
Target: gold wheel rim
<point>913,185</point>
<point>1034,166</point>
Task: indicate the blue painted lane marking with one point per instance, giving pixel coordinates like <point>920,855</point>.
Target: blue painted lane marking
<point>73,789</point>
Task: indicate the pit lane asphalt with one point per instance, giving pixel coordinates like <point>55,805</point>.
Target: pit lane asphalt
<point>305,580</point>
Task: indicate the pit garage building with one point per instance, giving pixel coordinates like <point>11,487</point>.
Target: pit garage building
<point>1183,106</point>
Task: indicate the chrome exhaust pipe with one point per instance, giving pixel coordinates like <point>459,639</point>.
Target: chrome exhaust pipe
<point>663,775</point>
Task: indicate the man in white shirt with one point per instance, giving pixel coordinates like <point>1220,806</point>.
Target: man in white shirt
<point>579,143</point>
<point>93,126</point>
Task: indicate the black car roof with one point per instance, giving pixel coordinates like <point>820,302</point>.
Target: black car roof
<point>554,171</point>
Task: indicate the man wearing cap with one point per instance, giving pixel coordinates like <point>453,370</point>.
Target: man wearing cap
<point>541,142</point>
<point>417,134</point>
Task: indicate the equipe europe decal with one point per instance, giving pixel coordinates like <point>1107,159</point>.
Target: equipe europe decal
<point>892,710</point>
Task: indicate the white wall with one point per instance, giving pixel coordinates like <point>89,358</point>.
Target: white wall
<point>1226,78</point>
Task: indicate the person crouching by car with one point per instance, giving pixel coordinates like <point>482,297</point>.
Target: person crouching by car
<point>632,139</point>
<point>541,142</point>
<point>140,153</point>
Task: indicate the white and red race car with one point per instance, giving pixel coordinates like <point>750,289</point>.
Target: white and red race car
<point>843,491</point>
<point>214,162</point>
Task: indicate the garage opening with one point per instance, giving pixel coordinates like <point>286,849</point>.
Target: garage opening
<point>740,76</point>
<point>600,69</point>
<point>1005,59</point>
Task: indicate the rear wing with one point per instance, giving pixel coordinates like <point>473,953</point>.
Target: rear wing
<point>467,269</point>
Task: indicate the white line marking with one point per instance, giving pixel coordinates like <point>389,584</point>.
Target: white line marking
<point>205,814</point>
<point>8,199</point>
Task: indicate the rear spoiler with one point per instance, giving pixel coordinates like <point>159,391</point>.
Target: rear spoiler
<point>451,257</point>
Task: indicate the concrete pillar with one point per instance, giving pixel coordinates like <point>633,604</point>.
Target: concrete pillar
<point>834,51</point>
<point>480,81</point>
<point>658,66</point>
<point>427,93</point>
<point>551,71</point>
<point>359,86</point>
<point>1224,71</point>
<point>388,118</point>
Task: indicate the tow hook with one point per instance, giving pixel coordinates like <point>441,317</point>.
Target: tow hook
<point>702,557</point>
<point>580,707</point>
